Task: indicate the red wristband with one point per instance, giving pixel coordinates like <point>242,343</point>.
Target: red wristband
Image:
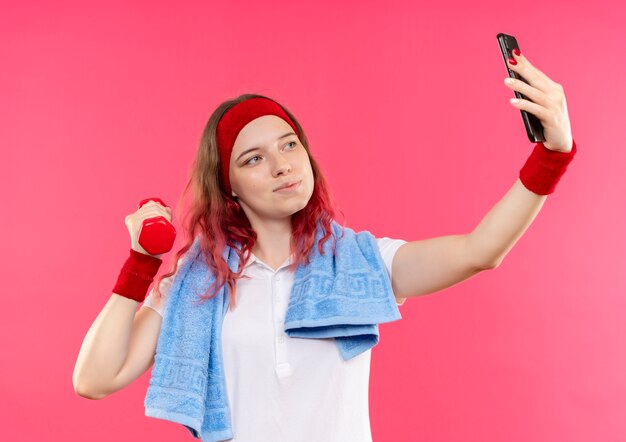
<point>544,168</point>
<point>136,276</point>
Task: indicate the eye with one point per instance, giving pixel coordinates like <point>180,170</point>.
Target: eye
<point>251,158</point>
<point>249,161</point>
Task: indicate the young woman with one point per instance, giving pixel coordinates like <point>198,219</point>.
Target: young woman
<point>256,184</point>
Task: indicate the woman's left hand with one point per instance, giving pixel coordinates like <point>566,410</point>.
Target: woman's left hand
<point>548,103</point>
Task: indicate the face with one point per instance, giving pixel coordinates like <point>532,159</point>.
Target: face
<point>255,174</point>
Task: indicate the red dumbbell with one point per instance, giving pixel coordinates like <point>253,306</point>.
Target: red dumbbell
<point>157,234</point>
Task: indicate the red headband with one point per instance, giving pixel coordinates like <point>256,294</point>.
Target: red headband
<point>235,119</point>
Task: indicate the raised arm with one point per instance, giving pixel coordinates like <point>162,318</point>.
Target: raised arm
<point>427,266</point>
<point>118,348</point>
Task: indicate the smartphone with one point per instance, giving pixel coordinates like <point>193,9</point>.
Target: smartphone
<point>534,129</point>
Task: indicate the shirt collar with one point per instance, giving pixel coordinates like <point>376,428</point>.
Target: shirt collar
<point>253,259</point>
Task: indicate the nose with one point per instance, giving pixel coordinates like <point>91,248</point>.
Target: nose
<point>281,166</point>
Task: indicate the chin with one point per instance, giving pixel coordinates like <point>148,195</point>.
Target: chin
<point>295,206</point>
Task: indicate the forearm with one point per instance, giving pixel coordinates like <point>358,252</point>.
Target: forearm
<point>105,346</point>
<point>504,224</point>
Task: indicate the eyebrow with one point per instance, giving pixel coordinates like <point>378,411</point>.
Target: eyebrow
<point>256,148</point>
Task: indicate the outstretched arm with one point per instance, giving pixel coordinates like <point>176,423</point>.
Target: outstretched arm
<point>430,265</point>
<point>427,266</point>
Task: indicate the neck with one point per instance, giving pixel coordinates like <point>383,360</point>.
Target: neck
<point>273,240</point>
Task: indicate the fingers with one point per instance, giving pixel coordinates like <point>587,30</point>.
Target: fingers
<point>154,203</point>
<point>527,90</point>
<point>530,73</point>
<point>151,206</point>
<point>149,210</point>
<point>544,96</point>
<point>156,211</point>
<point>539,111</point>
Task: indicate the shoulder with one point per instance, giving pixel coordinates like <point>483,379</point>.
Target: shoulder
<point>388,248</point>
<point>386,245</point>
<point>153,301</point>
<point>389,245</point>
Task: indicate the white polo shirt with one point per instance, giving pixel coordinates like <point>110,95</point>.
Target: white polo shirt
<point>281,388</point>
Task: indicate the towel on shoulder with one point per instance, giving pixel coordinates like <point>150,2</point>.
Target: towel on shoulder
<point>343,295</point>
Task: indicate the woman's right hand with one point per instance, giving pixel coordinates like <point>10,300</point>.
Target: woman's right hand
<point>135,221</point>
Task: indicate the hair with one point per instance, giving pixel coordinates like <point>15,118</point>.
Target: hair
<point>219,221</point>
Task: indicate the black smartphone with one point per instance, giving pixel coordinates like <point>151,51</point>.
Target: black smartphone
<point>534,129</point>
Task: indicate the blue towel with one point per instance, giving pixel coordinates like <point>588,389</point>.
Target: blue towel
<point>344,295</point>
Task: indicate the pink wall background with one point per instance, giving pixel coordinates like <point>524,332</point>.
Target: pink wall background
<point>405,107</point>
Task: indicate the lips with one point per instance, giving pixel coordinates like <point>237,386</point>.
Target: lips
<point>290,183</point>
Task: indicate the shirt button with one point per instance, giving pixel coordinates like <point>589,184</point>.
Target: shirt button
<point>278,278</point>
<point>278,299</point>
<point>281,339</point>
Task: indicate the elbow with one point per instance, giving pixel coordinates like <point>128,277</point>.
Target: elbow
<point>481,257</point>
<point>494,264</point>
<point>85,390</point>
<point>88,394</point>
<point>488,264</point>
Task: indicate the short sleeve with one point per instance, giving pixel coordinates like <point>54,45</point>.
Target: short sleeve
<point>155,304</point>
<point>388,248</point>
<point>152,301</point>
